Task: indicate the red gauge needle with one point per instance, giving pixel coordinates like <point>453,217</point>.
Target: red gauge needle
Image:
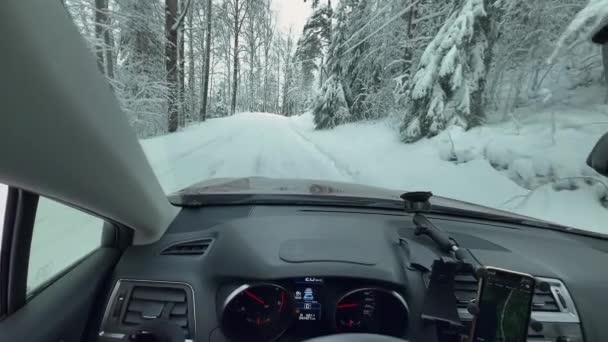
<point>254,297</point>
<point>346,306</point>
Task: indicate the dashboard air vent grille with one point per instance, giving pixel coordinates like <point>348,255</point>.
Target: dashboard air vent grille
<point>544,301</point>
<point>150,303</point>
<point>197,247</point>
<point>465,290</point>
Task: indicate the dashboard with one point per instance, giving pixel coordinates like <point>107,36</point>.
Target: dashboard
<point>290,273</point>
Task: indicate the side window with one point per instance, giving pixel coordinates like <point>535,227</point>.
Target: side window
<point>62,236</point>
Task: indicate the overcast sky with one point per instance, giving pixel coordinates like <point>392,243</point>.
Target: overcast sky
<point>292,13</point>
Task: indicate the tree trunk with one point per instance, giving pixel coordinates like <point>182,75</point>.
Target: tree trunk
<point>171,62</point>
<point>265,90</point>
<point>477,101</point>
<point>101,7</point>
<point>412,15</point>
<point>267,41</point>
<point>321,71</point>
<point>605,62</point>
<point>203,33</point>
<point>235,68</point>
<point>250,105</point>
<point>210,76</point>
<point>284,109</point>
<point>252,48</point>
<point>181,64</point>
<point>109,41</point>
<point>278,106</point>
<point>228,80</point>
<point>192,102</point>
<point>207,63</point>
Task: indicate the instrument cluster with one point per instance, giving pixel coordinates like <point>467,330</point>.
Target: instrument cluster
<point>311,306</point>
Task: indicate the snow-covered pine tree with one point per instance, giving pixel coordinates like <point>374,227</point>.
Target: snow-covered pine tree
<point>332,105</point>
<point>314,41</point>
<point>412,34</point>
<point>447,88</point>
<point>310,54</point>
<point>362,69</point>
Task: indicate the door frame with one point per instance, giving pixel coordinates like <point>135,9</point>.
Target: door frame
<point>19,217</point>
<point>15,248</point>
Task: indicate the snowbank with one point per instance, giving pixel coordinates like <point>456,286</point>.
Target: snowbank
<point>531,167</point>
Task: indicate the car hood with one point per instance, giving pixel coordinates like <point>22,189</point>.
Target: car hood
<point>269,186</point>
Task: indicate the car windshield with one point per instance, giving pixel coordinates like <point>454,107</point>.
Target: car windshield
<point>496,103</point>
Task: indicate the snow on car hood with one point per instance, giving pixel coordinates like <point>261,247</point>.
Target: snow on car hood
<point>264,185</point>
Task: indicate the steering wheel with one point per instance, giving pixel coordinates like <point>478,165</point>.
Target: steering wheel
<point>356,338</point>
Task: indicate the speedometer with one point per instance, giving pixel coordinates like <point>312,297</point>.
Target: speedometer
<point>257,313</point>
<point>372,310</point>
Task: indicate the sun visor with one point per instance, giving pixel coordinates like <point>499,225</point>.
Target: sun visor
<point>62,133</point>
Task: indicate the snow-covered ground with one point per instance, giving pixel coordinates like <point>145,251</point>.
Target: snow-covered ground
<point>495,165</point>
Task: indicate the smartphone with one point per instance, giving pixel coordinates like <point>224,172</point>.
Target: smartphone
<point>504,299</point>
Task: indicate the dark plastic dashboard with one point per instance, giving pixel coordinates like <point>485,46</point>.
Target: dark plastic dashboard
<point>348,249</point>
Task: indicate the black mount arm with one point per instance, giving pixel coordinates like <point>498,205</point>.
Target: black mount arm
<point>419,203</point>
<point>441,287</point>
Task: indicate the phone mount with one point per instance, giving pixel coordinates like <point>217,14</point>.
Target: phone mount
<point>440,308</point>
<point>440,311</point>
<point>440,304</point>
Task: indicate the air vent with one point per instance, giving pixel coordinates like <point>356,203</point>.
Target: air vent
<point>465,290</point>
<point>134,302</point>
<point>148,303</point>
<point>196,247</point>
<point>544,301</point>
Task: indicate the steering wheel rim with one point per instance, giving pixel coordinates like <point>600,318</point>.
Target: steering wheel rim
<point>351,337</point>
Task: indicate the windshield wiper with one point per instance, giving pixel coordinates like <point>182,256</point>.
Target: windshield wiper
<point>219,199</point>
<point>201,200</point>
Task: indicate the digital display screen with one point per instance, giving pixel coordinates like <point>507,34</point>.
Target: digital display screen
<point>505,305</point>
<point>307,298</point>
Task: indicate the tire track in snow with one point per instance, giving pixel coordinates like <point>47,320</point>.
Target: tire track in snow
<point>171,165</point>
<point>342,170</point>
<point>190,151</point>
<point>214,167</point>
<point>258,167</point>
<point>253,146</point>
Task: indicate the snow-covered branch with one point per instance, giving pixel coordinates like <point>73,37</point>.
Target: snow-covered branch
<point>589,20</point>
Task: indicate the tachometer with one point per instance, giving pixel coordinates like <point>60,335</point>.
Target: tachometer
<point>257,313</point>
<point>371,310</point>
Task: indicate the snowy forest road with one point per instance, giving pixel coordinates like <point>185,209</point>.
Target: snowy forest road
<point>370,153</point>
<point>259,144</point>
